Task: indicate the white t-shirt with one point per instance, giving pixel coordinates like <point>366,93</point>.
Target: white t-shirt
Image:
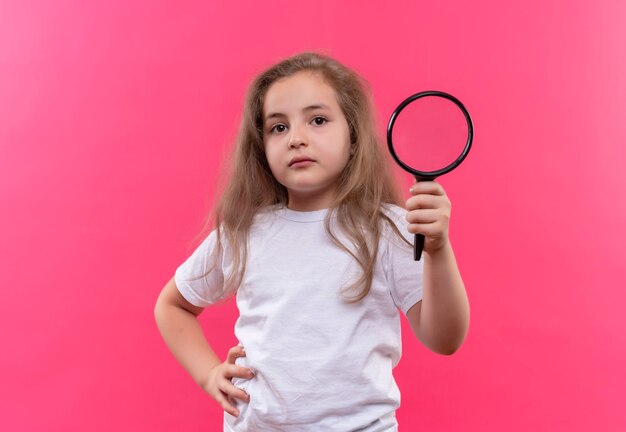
<point>320,363</point>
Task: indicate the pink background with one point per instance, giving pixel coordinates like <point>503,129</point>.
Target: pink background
<point>113,120</point>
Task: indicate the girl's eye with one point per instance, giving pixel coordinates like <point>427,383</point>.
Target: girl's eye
<point>319,121</point>
<point>279,128</point>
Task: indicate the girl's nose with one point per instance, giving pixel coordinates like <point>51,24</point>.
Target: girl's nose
<point>297,138</point>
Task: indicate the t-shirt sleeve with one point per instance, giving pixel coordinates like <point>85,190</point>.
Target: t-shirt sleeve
<point>197,289</point>
<point>405,276</point>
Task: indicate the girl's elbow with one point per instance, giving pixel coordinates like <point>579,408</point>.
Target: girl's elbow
<point>450,347</point>
<point>448,351</point>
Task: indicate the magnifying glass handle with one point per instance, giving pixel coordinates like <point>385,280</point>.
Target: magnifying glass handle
<point>418,243</point>
<point>418,246</point>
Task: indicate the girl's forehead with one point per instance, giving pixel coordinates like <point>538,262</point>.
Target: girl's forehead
<point>298,91</point>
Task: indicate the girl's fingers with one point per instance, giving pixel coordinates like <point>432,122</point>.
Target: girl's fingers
<point>234,353</point>
<point>238,371</point>
<point>424,216</point>
<point>222,389</point>
<point>425,201</point>
<point>427,187</point>
<point>222,399</point>
<point>427,229</point>
<point>233,391</point>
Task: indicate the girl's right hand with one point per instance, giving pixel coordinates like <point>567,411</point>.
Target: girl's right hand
<point>219,385</point>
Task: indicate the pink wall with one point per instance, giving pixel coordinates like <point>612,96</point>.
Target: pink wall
<point>113,119</point>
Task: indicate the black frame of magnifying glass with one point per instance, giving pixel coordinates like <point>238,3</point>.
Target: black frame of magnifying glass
<point>430,175</point>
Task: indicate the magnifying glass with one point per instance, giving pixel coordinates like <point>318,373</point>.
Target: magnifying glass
<point>429,134</point>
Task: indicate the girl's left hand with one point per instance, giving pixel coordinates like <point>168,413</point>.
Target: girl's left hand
<point>429,214</point>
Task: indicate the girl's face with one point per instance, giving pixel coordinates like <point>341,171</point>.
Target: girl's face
<point>303,122</point>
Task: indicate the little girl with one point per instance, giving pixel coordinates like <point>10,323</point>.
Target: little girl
<point>313,239</point>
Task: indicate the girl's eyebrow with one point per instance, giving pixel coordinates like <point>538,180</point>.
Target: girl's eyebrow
<point>308,108</point>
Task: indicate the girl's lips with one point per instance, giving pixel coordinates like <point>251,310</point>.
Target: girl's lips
<point>300,159</point>
<point>301,164</point>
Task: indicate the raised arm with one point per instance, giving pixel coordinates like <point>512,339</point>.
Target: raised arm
<point>441,319</point>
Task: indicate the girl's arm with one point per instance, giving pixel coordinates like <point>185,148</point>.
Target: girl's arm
<point>441,319</point>
<point>178,323</point>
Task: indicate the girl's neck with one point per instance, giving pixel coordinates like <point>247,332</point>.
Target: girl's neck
<point>309,203</point>
<point>306,207</point>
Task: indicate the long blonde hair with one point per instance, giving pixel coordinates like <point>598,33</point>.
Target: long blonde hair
<point>365,184</point>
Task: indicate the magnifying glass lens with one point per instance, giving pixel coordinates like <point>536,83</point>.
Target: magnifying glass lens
<point>429,133</point>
